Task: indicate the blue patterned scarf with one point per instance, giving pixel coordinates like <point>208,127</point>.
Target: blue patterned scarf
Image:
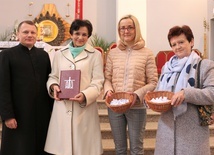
<point>179,74</point>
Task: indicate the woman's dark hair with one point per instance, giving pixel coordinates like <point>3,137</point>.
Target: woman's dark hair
<point>77,23</point>
<point>177,30</point>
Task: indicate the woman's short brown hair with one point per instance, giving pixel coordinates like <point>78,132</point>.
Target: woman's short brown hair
<point>178,30</point>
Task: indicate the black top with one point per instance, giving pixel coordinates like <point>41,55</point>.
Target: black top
<point>24,96</point>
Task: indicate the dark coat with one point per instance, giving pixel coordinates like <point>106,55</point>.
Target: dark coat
<point>23,96</point>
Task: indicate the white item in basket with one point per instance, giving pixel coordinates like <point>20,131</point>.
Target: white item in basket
<point>159,100</point>
<point>119,102</point>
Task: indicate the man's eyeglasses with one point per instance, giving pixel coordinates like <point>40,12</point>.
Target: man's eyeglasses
<point>130,28</point>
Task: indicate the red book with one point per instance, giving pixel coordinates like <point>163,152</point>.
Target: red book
<point>69,83</point>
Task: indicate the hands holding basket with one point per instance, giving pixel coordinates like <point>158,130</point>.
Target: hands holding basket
<point>177,98</point>
<point>120,108</point>
<point>174,99</point>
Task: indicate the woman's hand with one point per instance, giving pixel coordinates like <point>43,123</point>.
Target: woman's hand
<point>55,89</point>
<point>80,98</point>
<point>109,93</point>
<point>177,98</point>
<point>136,99</point>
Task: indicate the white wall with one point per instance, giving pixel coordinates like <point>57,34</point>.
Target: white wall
<point>12,10</point>
<point>156,17</point>
<point>136,8</point>
<point>100,12</point>
<point>164,14</point>
<point>210,30</point>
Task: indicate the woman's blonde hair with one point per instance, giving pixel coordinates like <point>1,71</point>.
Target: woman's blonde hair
<point>138,35</point>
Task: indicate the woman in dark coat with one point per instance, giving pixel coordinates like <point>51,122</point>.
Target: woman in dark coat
<point>24,102</point>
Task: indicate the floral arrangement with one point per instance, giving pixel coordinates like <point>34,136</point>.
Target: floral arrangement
<point>10,34</point>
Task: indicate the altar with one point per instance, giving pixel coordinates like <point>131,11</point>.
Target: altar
<point>39,44</point>
<point>9,44</point>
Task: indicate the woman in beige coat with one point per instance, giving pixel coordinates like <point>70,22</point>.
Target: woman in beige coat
<point>74,127</point>
<point>130,68</point>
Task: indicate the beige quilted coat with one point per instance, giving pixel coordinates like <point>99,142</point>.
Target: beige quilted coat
<point>131,70</point>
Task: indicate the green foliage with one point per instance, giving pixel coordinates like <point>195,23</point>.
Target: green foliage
<point>100,42</point>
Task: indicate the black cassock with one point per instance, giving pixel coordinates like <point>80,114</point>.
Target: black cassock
<point>24,96</point>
